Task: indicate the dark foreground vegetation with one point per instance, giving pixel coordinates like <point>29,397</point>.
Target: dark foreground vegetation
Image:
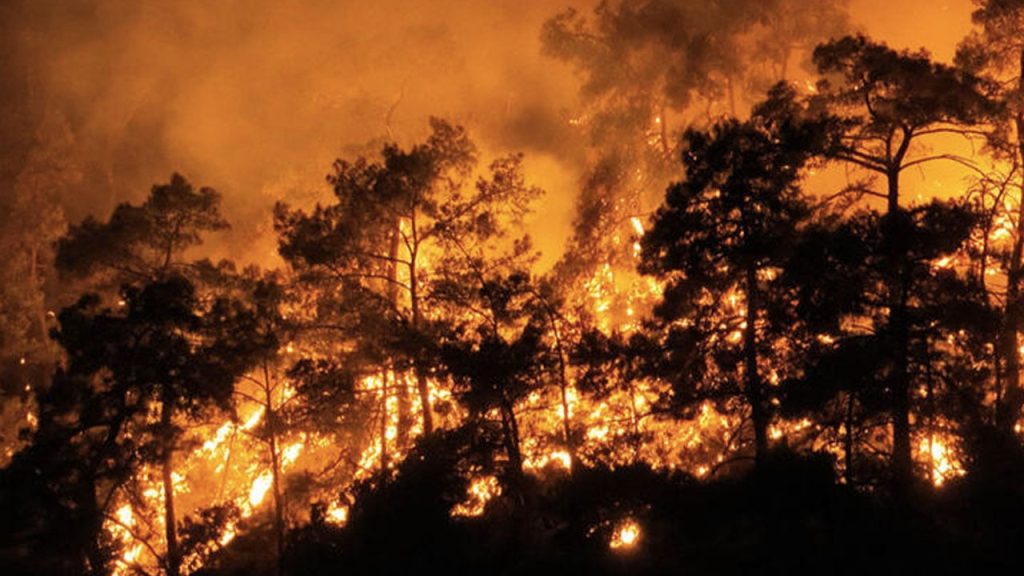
<point>788,517</point>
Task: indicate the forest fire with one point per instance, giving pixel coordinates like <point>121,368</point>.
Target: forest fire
<point>690,288</point>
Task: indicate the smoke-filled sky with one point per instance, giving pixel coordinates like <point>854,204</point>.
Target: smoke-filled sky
<point>257,97</point>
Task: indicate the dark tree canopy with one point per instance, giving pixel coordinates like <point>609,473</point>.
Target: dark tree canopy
<point>726,228</point>
<point>144,241</point>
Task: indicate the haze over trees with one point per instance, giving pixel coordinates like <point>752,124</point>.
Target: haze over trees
<point>740,362</point>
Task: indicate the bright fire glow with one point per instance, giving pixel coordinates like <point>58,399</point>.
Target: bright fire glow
<point>259,488</point>
<point>626,535</point>
<point>337,514</point>
<point>945,465</point>
<point>480,491</point>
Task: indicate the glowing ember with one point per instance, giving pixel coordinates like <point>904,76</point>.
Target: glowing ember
<point>626,535</point>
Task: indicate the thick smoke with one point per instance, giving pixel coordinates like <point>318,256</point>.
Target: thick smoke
<point>257,97</point>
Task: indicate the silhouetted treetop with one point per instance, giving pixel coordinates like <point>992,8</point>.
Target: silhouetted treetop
<point>143,241</point>
<point>880,91</point>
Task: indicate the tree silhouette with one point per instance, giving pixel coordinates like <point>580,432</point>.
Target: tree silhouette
<point>390,216</point>
<point>131,371</point>
<point>888,100</point>
<point>143,247</point>
<point>995,48</point>
<point>649,70</point>
<point>836,279</point>
<point>500,356</point>
<point>142,242</point>
<point>725,229</point>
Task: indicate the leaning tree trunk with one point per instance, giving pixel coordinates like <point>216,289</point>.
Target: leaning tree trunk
<point>512,441</point>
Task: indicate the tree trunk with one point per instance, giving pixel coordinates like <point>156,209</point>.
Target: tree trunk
<point>563,377</point>
<point>1008,410</point>
<point>563,385</point>
<point>751,379</point>
<point>401,390</point>
<point>385,375</point>
<point>170,527</point>
<point>508,419</point>
<point>634,422</point>
<point>930,411</point>
<point>421,377</point>
<point>275,463</point>
<point>275,471</point>
<point>848,446</point>
<point>92,550</point>
<point>899,378</point>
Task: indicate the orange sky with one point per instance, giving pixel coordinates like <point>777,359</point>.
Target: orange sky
<point>934,24</point>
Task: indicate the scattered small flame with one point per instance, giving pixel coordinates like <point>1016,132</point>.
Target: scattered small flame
<point>480,491</point>
<point>626,535</point>
<point>638,225</point>
<point>230,531</point>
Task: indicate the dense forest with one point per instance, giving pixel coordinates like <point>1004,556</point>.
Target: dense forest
<point>764,346</point>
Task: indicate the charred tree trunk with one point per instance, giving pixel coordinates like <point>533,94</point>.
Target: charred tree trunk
<point>173,560</point>
<point>848,445</point>
<point>929,414</point>
<point>563,380</point>
<point>92,550</point>
<point>417,322</point>
<point>899,332</point>
<point>751,379</point>
<point>1008,410</point>
<point>511,432</point>
<point>383,431</point>
<point>401,390</point>
<point>275,463</point>
<point>275,471</point>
